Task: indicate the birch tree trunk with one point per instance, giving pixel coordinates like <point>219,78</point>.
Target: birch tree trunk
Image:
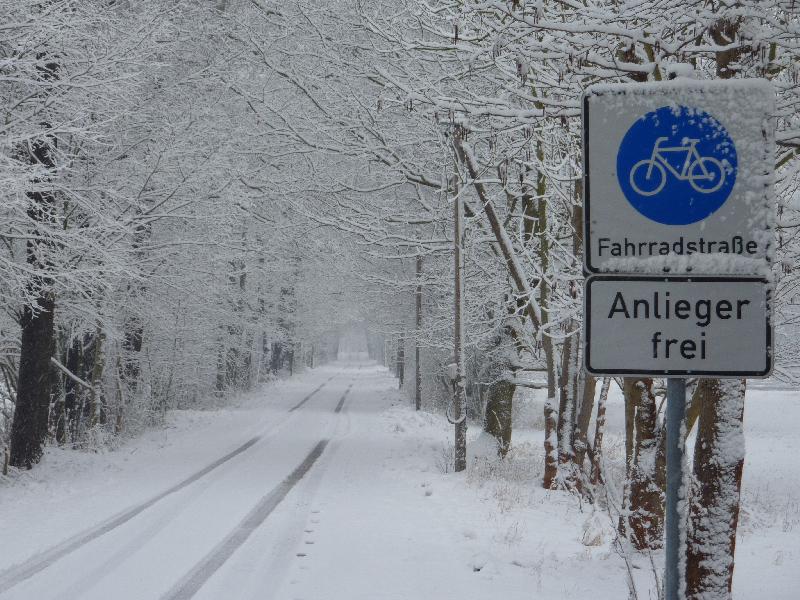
<point>567,476</point>
<point>599,430</point>
<point>646,497</point>
<point>716,489</point>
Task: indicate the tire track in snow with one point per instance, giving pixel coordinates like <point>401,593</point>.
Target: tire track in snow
<point>344,397</point>
<point>18,573</point>
<point>307,398</point>
<point>191,583</point>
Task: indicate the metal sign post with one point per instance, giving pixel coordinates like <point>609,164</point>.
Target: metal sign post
<point>675,416</point>
<point>679,238</point>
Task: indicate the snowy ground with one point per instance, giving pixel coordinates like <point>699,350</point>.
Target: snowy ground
<point>376,515</point>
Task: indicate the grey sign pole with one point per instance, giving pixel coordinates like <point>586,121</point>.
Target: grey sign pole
<point>676,414</point>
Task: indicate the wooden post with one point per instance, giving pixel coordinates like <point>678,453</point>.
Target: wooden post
<point>401,360</point>
<point>417,371</point>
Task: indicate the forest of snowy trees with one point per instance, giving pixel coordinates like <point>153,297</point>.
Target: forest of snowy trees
<point>199,196</point>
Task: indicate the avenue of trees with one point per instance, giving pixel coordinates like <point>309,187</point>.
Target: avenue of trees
<point>198,195</point>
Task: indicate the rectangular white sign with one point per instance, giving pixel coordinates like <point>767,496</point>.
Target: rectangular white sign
<point>678,177</point>
<point>677,326</point>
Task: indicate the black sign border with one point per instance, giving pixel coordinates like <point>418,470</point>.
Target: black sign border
<point>587,258</point>
<point>587,293</point>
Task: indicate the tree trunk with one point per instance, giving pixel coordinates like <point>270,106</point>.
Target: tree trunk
<point>646,504</point>
<point>584,417</point>
<point>97,404</point>
<point>132,339</point>
<point>219,386</point>
<point>29,428</point>
<point>31,413</point>
<point>599,429</point>
<point>276,357</point>
<point>500,394</point>
<point>629,399</point>
<point>497,419</point>
<point>65,430</point>
<point>459,384</point>
<point>567,476</point>
<point>714,503</point>
<point>550,413</point>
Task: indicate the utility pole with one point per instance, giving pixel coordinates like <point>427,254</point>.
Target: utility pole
<point>459,391</point>
<point>418,372</point>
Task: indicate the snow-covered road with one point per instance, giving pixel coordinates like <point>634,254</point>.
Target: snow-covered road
<point>171,544</point>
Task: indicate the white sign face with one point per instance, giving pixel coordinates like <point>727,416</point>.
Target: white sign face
<point>678,177</point>
<point>677,326</point>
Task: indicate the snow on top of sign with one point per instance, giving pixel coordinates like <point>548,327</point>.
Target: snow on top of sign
<point>685,84</point>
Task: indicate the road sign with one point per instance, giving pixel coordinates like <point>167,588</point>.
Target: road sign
<point>677,326</point>
<point>678,178</point>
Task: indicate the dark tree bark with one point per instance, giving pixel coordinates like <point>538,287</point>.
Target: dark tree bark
<point>31,414</point>
<point>132,345</point>
<point>584,419</point>
<point>498,417</point>
<point>276,357</point>
<point>29,428</point>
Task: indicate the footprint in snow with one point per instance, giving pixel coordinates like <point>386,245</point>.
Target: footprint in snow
<point>479,562</point>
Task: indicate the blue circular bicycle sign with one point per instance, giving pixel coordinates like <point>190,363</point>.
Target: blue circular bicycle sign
<point>676,165</point>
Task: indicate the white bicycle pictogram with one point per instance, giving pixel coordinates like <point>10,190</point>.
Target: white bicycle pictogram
<point>704,173</point>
